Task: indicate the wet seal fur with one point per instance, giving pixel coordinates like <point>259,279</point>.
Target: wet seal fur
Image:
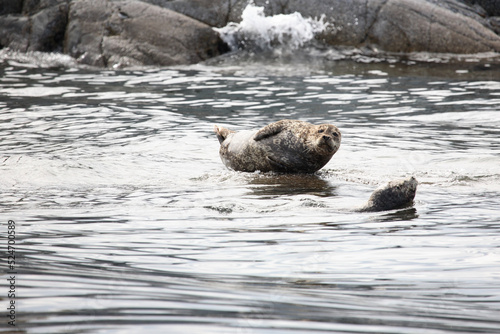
<point>286,146</point>
<point>394,195</point>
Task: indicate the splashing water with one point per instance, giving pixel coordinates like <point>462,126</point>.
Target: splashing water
<point>34,59</point>
<point>259,32</point>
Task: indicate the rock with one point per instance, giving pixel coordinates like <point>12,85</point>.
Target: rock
<point>442,26</point>
<point>397,25</point>
<point>48,27</point>
<point>14,32</point>
<point>10,7</point>
<point>42,31</point>
<point>107,33</point>
<point>31,7</point>
<point>492,7</point>
<point>495,24</point>
<point>128,33</point>
<point>171,32</point>
<point>411,25</point>
<point>85,31</point>
<point>215,13</point>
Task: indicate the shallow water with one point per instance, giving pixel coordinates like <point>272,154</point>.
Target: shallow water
<point>127,221</point>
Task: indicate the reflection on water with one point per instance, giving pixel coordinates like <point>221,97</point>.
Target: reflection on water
<point>276,185</point>
<point>128,221</point>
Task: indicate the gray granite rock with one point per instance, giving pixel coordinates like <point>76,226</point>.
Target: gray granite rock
<point>35,29</point>
<point>128,33</point>
<point>169,32</point>
<point>448,26</point>
<point>108,33</point>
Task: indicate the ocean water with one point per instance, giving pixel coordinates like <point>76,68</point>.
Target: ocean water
<point>117,215</point>
<point>126,220</point>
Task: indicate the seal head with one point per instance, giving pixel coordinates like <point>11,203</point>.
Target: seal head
<point>396,194</point>
<point>287,146</point>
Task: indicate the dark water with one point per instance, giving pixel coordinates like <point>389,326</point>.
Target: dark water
<point>127,221</point>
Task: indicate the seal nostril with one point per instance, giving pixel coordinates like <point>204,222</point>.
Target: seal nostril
<point>326,137</point>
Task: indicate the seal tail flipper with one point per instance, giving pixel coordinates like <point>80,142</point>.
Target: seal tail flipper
<point>221,133</point>
<point>269,130</point>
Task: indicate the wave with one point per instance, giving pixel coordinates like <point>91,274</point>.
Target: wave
<point>262,33</point>
<point>285,37</point>
<point>35,59</point>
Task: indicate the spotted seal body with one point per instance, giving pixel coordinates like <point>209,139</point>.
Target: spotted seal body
<point>396,194</point>
<point>287,146</point>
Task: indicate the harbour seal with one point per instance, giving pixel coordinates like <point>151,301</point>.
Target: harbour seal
<point>286,146</point>
<point>394,195</point>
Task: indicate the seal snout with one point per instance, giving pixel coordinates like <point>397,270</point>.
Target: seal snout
<point>330,143</point>
<point>330,138</point>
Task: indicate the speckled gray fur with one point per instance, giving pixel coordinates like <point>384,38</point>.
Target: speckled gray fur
<point>287,146</point>
<point>394,195</point>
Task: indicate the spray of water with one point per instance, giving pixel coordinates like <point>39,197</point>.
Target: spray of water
<point>258,32</point>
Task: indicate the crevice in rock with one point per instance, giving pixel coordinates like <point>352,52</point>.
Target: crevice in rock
<point>55,40</point>
<point>59,35</point>
<point>280,6</point>
<point>228,13</point>
<point>102,56</point>
<point>428,37</point>
<point>64,37</point>
<point>434,20</point>
<point>29,33</point>
<point>8,8</point>
<point>375,20</point>
<point>65,48</point>
<point>22,5</point>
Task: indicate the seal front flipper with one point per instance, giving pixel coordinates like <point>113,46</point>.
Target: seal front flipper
<point>269,131</point>
<point>222,133</point>
<point>276,165</point>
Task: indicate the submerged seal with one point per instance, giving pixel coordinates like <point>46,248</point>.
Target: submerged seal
<point>396,194</point>
<point>286,146</point>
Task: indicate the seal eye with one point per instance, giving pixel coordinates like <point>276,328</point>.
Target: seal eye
<point>321,130</point>
<point>335,134</point>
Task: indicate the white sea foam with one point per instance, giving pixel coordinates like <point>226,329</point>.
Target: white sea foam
<point>35,59</point>
<point>260,32</point>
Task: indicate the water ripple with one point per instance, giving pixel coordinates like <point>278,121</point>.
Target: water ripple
<point>128,221</point>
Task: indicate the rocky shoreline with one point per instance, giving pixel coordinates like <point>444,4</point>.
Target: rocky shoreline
<point>122,33</point>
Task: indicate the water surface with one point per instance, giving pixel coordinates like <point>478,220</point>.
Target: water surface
<point>128,222</point>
